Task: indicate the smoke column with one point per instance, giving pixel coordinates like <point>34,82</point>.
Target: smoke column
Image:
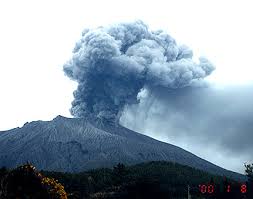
<point>115,65</point>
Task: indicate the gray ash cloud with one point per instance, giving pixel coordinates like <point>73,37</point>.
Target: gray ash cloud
<point>113,64</point>
<point>213,122</point>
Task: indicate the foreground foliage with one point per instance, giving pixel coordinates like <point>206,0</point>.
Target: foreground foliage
<point>25,182</point>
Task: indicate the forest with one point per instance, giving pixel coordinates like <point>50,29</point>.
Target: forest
<point>151,180</point>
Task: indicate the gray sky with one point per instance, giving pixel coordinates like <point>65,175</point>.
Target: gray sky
<point>37,38</point>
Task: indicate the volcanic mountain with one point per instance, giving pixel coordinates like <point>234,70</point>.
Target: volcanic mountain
<point>78,144</point>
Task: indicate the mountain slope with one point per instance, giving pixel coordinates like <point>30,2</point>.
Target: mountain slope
<point>72,145</point>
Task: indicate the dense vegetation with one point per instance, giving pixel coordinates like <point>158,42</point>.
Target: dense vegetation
<point>152,180</point>
<point>25,182</point>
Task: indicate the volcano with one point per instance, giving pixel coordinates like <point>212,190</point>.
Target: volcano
<point>79,144</point>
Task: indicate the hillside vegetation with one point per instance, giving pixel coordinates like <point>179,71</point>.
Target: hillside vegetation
<point>152,180</point>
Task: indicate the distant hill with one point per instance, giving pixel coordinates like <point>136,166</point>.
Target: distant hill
<point>78,144</point>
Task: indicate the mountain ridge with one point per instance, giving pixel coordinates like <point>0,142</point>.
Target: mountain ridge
<point>77,144</point>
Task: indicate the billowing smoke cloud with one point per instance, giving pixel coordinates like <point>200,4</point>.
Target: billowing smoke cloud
<point>114,64</point>
<point>215,123</point>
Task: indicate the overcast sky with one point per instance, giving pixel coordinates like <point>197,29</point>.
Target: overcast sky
<point>37,38</point>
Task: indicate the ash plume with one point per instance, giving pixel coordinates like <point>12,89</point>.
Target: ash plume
<point>113,64</point>
<point>205,120</point>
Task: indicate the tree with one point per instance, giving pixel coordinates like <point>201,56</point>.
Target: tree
<point>22,182</point>
<point>25,182</point>
<point>120,173</point>
<point>3,172</point>
<point>249,173</point>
